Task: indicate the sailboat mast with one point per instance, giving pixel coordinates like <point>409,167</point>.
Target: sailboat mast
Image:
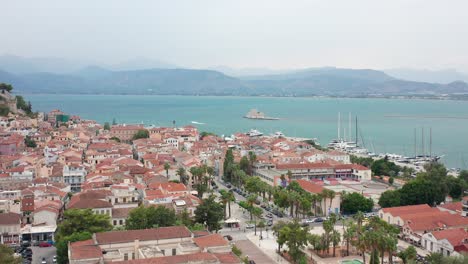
<point>339,121</point>
<point>356,133</point>
<point>430,142</point>
<point>422,141</point>
<point>349,130</point>
<point>415,147</point>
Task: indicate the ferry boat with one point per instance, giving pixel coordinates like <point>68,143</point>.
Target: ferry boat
<point>255,114</point>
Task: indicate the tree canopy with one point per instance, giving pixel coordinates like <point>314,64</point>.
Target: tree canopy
<point>5,86</point>
<point>6,255</point>
<point>354,202</point>
<point>78,225</point>
<point>210,213</point>
<point>142,133</point>
<point>150,217</point>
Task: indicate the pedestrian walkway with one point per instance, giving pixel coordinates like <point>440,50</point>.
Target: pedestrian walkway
<point>255,253</point>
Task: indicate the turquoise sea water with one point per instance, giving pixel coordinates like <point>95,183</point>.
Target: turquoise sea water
<point>386,125</point>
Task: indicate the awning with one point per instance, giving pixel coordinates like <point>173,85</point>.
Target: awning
<point>232,221</point>
<point>38,229</point>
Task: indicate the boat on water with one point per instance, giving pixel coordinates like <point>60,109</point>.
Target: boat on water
<point>254,133</point>
<point>255,114</point>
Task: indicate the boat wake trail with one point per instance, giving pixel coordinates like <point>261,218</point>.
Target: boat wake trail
<point>197,123</point>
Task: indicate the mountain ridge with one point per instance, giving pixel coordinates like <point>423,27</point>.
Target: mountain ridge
<point>328,81</point>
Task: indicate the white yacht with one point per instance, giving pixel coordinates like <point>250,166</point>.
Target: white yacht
<point>254,133</point>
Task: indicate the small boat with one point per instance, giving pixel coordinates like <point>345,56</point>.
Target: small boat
<point>254,133</point>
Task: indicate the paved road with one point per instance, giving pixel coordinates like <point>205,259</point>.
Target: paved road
<point>46,252</point>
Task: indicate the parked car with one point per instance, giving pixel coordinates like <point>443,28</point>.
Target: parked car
<point>54,259</point>
<point>44,244</point>
<point>229,185</point>
<point>270,223</point>
<point>44,261</point>
<point>228,237</point>
<point>249,226</point>
<point>318,220</point>
<point>308,221</point>
<point>269,215</point>
<point>25,243</point>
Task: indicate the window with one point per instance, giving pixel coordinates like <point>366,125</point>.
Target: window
<point>121,222</point>
<point>432,245</point>
<point>115,222</point>
<point>174,252</point>
<point>163,252</point>
<point>126,256</point>
<point>116,200</point>
<point>133,255</point>
<point>124,200</point>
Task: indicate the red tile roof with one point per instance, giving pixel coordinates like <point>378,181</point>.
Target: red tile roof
<point>454,236</point>
<point>143,235</point>
<point>396,211</point>
<point>213,240</point>
<point>303,166</point>
<point>90,203</point>
<point>121,212</point>
<point>310,187</point>
<point>85,250</point>
<point>200,257</point>
<point>227,258</point>
<point>9,219</point>
<point>457,206</point>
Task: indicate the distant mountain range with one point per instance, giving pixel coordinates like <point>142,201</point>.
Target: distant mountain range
<point>128,78</point>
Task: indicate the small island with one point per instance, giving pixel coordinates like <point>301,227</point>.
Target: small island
<point>255,114</point>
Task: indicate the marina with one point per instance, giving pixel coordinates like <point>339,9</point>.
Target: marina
<point>300,118</point>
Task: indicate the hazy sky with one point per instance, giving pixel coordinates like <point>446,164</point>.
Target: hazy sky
<point>274,34</point>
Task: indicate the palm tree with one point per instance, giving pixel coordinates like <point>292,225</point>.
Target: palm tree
<point>349,233</point>
<point>319,198</point>
<point>331,195</point>
<point>336,239</point>
<point>231,198</point>
<point>324,195</point>
<point>360,243</point>
<point>251,201</point>
<point>257,212</point>
<point>224,200</point>
<point>167,166</point>
<point>261,225</point>
<point>181,173</point>
<point>252,160</point>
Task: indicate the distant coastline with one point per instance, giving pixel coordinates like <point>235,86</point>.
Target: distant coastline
<point>393,97</point>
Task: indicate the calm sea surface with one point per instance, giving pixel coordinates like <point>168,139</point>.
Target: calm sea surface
<point>386,125</point>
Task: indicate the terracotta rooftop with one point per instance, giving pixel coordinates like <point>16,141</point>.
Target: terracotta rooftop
<point>200,257</point>
<point>310,186</point>
<point>395,211</point>
<point>454,236</point>
<point>85,250</point>
<point>457,206</point>
<point>143,235</point>
<point>121,212</point>
<point>90,203</point>
<point>213,240</point>
<point>227,258</point>
<point>9,219</point>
